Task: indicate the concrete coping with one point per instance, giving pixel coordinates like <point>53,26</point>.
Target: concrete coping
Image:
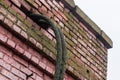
<point>89,23</point>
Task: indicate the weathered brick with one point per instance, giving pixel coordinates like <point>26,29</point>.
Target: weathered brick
<point>9,74</point>
<point>2,77</point>
<point>20,60</point>
<point>43,9</point>
<point>27,54</point>
<point>3,38</point>
<point>16,2</point>
<point>19,13</point>
<point>25,70</point>
<point>16,28</point>
<point>3,11</point>
<point>5,65</point>
<point>1,17</point>
<point>63,15</point>
<point>38,78</point>
<point>24,34</point>
<point>8,22</point>
<point>47,77</point>
<point>86,53</point>
<point>25,4</point>
<point>18,73</point>
<point>11,43</point>
<point>22,25</point>
<point>1,54</point>
<point>11,17</point>
<point>32,40</point>
<point>38,2</point>
<point>12,11</point>
<point>35,59</point>
<point>39,45</point>
<point>50,3</point>
<point>11,61</point>
<point>50,70</point>
<point>41,64</point>
<point>19,48</point>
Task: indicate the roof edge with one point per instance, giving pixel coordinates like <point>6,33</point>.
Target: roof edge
<point>100,34</point>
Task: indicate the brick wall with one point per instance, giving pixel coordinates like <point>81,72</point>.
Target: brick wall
<point>26,49</point>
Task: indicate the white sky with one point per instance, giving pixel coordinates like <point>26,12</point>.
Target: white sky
<point>106,14</point>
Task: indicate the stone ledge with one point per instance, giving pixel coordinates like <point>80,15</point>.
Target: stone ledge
<point>109,42</point>
<point>71,3</point>
<point>89,23</point>
<point>99,33</point>
<point>87,19</point>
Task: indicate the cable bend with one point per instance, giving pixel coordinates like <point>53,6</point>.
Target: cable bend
<point>60,44</point>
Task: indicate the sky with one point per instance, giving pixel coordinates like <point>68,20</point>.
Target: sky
<point>106,14</point>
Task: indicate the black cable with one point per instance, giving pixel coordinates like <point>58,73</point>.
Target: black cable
<point>60,42</point>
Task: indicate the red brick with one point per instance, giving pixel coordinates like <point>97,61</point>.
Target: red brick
<point>16,2</point>
<point>62,14</point>
<point>59,17</point>
<point>36,71</point>
<point>25,70</point>
<point>84,59</point>
<point>11,43</point>
<point>27,54</point>
<point>1,54</point>
<point>56,19</point>
<point>5,51</point>
<point>70,68</point>
<point>7,2</point>
<point>9,35</point>
<point>3,11</point>
<point>18,11</point>
<point>39,45</point>
<point>38,2</point>
<point>30,79</point>
<point>11,61</point>
<point>5,65</point>
<point>47,77</point>
<point>32,40</point>
<point>24,34</point>
<point>61,4</point>
<point>43,65</point>
<point>1,17</point>
<point>11,17</point>
<point>51,32</point>
<point>20,60</point>
<point>3,30</point>
<point>30,50</point>
<point>19,48</point>
<point>8,22</point>
<point>38,78</point>
<point>46,33</point>
<point>20,24</point>
<point>49,14</point>
<point>16,28</point>
<point>3,38</point>
<point>61,24</point>
<point>82,42</point>
<point>50,70</point>
<point>82,25</point>
<point>43,9</point>
<point>23,3</point>
<point>46,4</point>
<point>58,5</point>
<point>50,3</point>
<point>9,75</point>
<point>35,59</point>
<point>3,77</point>
<point>18,73</point>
